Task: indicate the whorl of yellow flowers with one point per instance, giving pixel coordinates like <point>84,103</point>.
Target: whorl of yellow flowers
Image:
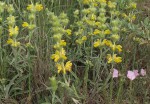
<point>58,30</point>
<point>34,8</point>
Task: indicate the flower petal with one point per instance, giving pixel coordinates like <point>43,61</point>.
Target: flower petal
<point>143,72</point>
<point>115,73</point>
<point>131,75</point>
<point>136,72</point>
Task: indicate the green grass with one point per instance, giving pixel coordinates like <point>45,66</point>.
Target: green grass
<point>26,72</point>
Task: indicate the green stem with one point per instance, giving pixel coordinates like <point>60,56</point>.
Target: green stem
<point>29,82</point>
<point>119,91</point>
<point>86,79</point>
<point>111,84</point>
<point>53,98</point>
<point>111,90</point>
<point>130,93</point>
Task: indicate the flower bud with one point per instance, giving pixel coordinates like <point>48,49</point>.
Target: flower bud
<point>115,37</point>
<point>54,83</point>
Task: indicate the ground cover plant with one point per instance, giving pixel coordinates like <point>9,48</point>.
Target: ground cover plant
<point>74,52</point>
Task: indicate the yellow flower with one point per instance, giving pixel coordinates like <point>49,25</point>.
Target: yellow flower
<point>113,47</point>
<point>84,38</point>
<point>13,31</point>
<point>97,23</point>
<point>116,47</point>
<point>107,32</point>
<point>90,22</point>
<point>111,4</point>
<point>133,5</point>
<point>56,57</point>
<point>133,18</point>
<point>124,15</point>
<point>10,41</point>
<point>59,55</point>
<point>119,48</point>
<point>10,8</point>
<point>62,43</point>
<point>63,68</point>
<point>68,31</point>
<point>30,7</point>
<point>15,44</point>
<point>109,58</point>
<point>68,66</point>
<point>62,53</point>
<point>34,8</point>
<point>97,43</point>
<point>79,41</point>
<point>59,67</point>
<point>113,58</point>
<point>57,46</point>
<point>25,24</point>
<point>31,26</point>
<point>38,7</point>
<point>115,37</point>
<point>107,42</point>
<point>11,20</point>
<point>93,17</point>
<point>118,59</point>
<point>96,31</point>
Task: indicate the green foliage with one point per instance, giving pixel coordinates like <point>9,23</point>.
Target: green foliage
<point>65,52</point>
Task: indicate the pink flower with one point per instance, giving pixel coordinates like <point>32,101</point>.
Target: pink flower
<point>136,73</point>
<point>115,73</point>
<point>143,72</point>
<point>131,75</point>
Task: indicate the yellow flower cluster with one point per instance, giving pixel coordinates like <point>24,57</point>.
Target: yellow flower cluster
<point>113,58</point>
<point>64,68</point>
<point>59,55</point>
<point>115,24</point>
<point>13,32</point>
<point>89,20</point>
<point>132,5</point>
<point>81,40</point>
<point>116,47</point>
<point>2,6</point>
<point>98,32</point>
<point>31,25</point>
<point>13,43</point>
<point>11,20</point>
<point>34,8</point>
<point>68,31</point>
<point>130,17</point>
<point>94,20</point>
<point>58,30</point>
<point>25,24</point>
<point>111,5</point>
<point>106,36</point>
<point>93,1</point>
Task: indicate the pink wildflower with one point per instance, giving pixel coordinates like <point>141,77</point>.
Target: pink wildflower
<point>131,75</point>
<point>115,73</point>
<point>136,73</point>
<point>143,72</point>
